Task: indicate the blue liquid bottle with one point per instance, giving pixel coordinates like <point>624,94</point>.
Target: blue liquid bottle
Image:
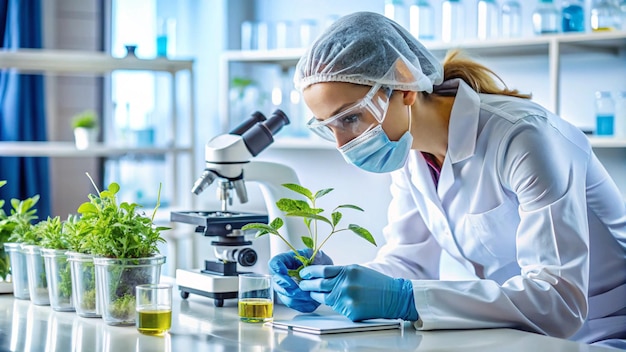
<point>605,114</point>
<point>573,16</point>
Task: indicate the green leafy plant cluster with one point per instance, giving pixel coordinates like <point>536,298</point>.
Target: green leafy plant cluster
<point>52,236</point>
<point>50,233</point>
<point>5,232</point>
<point>74,233</point>
<point>21,220</point>
<point>85,119</point>
<point>313,217</point>
<point>118,231</point>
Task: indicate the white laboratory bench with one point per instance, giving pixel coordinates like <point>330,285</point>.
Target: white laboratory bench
<point>199,326</point>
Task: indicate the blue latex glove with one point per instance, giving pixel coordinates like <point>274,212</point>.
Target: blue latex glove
<point>286,288</point>
<point>360,293</point>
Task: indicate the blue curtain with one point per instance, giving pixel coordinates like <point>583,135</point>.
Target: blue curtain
<point>22,107</point>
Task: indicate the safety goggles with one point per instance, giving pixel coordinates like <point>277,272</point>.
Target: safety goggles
<point>363,115</point>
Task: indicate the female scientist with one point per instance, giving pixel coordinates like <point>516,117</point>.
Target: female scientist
<point>480,174</point>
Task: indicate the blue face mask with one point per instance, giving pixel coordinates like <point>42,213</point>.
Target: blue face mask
<point>373,151</point>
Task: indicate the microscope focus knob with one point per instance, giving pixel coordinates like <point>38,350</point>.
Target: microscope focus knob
<point>247,257</point>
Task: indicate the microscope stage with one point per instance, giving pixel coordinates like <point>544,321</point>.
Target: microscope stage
<point>217,287</point>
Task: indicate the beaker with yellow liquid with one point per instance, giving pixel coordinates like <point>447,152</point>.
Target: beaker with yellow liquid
<point>256,298</point>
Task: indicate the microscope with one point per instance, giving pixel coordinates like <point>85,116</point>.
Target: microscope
<point>229,166</point>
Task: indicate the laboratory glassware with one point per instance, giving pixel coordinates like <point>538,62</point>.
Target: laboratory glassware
<point>573,16</point>
<point>546,18</point>
<point>605,113</point>
<point>452,20</point>
<point>511,19</point>
<point>487,19</point>
<point>396,11</point>
<point>605,15</point>
<point>620,114</point>
<point>307,32</point>
<point>422,20</point>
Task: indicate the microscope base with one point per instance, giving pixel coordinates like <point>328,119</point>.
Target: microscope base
<point>213,286</point>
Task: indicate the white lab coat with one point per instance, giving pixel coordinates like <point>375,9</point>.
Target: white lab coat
<point>524,204</point>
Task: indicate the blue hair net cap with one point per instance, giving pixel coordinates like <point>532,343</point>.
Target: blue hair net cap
<point>368,48</point>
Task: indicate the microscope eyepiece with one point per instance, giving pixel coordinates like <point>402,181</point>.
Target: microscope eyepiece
<point>256,117</point>
<point>260,136</point>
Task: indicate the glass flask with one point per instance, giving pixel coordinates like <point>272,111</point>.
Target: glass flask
<point>511,19</point>
<point>605,15</point>
<point>573,16</point>
<point>452,21</point>
<point>487,19</point>
<point>546,18</point>
<point>422,20</point>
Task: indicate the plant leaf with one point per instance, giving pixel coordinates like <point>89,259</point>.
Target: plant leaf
<point>86,208</point>
<point>277,223</point>
<point>336,218</point>
<point>363,233</point>
<point>286,205</point>
<point>262,229</point>
<point>309,216</point>
<point>299,189</point>
<point>349,206</point>
<point>308,242</point>
<point>322,193</point>
<point>114,187</point>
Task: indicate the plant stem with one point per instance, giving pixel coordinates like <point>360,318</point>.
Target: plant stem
<point>287,242</point>
<point>93,183</point>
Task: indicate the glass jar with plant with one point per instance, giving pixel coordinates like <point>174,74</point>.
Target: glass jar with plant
<point>5,232</point>
<point>19,224</point>
<point>85,126</point>
<point>37,280</point>
<point>313,216</point>
<point>83,273</point>
<point>124,243</point>
<point>54,245</point>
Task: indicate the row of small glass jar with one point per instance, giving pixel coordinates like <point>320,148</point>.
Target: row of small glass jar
<point>70,281</point>
<point>505,20</point>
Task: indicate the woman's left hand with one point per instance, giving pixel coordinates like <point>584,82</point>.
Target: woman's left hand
<point>360,293</point>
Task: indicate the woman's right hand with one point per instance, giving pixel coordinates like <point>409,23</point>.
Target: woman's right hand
<point>286,288</point>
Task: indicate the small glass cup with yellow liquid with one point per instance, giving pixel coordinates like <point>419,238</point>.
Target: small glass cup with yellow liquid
<point>154,309</point>
<point>256,298</point>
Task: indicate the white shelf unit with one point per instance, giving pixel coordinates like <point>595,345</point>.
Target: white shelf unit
<point>551,46</point>
<point>68,62</point>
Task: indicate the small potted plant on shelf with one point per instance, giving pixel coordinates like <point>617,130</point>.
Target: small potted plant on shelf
<point>124,244</point>
<point>54,245</point>
<point>20,224</point>
<point>312,217</point>
<point>85,125</point>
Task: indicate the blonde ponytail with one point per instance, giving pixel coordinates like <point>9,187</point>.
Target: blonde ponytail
<point>477,76</point>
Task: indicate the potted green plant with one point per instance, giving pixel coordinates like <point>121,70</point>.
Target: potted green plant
<point>312,216</point>
<point>6,285</point>
<point>85,126</point>
<point>124,244</point>
<point>83,273</point>
<point>54,245</point>
<point>19,223</point>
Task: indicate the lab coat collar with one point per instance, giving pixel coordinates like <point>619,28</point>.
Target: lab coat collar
<point>463,125</point>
